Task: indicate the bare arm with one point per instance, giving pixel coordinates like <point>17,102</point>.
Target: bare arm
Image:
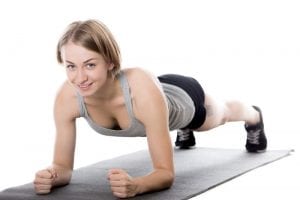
<point>153,112</point>
<point>60,172</point>
<point>151,109</point>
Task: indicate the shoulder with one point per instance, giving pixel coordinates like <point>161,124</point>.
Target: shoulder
<point>146,92</point>
<point>66,103</point>
<point>141,79</point>
<point>142,83</point>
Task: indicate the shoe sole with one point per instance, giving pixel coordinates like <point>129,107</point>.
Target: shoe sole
<point>257,151</point>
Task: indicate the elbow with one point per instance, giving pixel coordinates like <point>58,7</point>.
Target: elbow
<point>170,179</point>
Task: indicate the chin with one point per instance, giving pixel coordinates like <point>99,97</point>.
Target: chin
<point>85,93</point>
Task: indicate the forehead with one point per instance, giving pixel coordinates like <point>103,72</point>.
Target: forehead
<point>74,52</point>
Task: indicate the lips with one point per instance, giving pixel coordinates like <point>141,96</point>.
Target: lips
<point>84,86</point>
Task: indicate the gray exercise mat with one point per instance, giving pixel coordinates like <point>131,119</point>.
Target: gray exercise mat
<point>197,170</point>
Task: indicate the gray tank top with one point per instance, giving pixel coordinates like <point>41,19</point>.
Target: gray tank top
<point>180,105</point>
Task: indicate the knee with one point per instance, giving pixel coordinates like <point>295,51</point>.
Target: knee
<point>227,110</point>
<point>224,119</point>
<point>216,116</point>
<point>231,110</point>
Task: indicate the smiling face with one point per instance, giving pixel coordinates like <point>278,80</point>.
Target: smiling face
<point>94,36</point>
<point>86,70</point>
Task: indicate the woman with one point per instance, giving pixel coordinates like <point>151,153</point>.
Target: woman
<point>131,102</point>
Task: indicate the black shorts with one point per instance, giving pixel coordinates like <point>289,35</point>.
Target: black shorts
<point>192,87</point>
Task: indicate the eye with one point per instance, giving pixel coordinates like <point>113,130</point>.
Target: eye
<point>71,67</point>
<point>90,66</point>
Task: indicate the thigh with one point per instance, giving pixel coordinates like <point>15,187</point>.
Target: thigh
<point>216,112</point>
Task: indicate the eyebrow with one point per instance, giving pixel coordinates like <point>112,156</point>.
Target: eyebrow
<point>88,60</point>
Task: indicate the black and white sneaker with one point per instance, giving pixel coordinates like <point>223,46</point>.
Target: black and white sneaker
<point>185,139</point>
<point>256,138</point>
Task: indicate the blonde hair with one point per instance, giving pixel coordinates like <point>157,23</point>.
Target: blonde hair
<point>95,36</point>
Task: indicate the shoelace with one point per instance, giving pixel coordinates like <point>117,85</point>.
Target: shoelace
<point>253,136</point>
<point>183,134</point>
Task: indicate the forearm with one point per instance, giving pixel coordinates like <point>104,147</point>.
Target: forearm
<point>157,180</point>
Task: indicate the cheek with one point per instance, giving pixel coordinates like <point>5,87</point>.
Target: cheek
<point>100,78</point>
<point>98,75</point>
<point>70,75</point>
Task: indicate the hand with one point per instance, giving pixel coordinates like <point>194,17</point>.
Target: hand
<point>121,184</point>
<point>44,181</point>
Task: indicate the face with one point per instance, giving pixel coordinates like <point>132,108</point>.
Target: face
<point>86,70</point>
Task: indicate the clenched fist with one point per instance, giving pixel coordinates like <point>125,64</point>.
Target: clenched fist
<point>121,184</point>
<point>44,181</point>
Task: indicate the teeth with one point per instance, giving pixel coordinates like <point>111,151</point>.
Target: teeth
<point>84,86</point>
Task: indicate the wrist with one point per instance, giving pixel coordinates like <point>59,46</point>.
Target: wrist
<point>139,186</point>
<point>61,176</point>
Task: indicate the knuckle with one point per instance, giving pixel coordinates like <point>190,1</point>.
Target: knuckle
<point>37,174</point>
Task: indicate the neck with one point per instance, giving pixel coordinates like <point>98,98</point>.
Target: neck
<point>107,92</point>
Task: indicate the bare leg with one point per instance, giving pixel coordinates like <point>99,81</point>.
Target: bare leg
<point>218,113</point>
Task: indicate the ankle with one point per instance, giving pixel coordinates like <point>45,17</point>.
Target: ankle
<point>255,119</point>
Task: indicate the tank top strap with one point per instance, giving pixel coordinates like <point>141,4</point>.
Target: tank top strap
<point>126,92</point>
<point>82,108</point>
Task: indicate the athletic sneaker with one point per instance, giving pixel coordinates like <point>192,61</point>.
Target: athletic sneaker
<point>256,138</point>
<point>185,139</point>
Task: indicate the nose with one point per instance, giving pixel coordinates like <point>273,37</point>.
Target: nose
<point>81,76</point>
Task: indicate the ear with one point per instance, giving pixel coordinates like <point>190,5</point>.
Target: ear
<point>110,66</point>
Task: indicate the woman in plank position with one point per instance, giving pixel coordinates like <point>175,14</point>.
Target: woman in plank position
<point>129,103</point>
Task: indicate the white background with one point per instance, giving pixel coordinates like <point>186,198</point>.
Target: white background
<point>248,50</point>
